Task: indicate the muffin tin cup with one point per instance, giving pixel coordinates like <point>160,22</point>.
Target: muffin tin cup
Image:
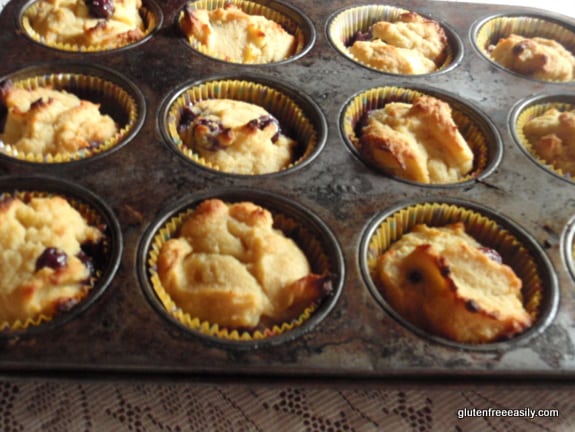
<point>150,13</point>
<point>342,25</point>
<point>299,116</point>
<point>97,213</point>
<point>480,133</point>
<point>314,238</point>
<point>489,30</point>
<point>568,247</point>
<point>287,16</point>
<point>491,229</point>
<point>530,108</point>
<point>116,95</point>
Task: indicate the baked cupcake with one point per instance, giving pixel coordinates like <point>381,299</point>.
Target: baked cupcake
<point>537,57</point>
<point>63,113</point>
<point>551,136</point>
<point>87,25</point>
<point>417,141</point>
<point>243,126</point>
<point>236,136</point>
<point>47,121</point>
<point>229,266</point>
<point>532,46</point>
<point>459,273</point>
<point>443,280</point>
<point>48,254</point>
<point>420,136</point>
<point>394,40</point>
<point>240,32</point>
<point>411,45</point>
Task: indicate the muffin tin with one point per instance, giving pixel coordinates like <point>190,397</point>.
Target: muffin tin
<point>354,334</point>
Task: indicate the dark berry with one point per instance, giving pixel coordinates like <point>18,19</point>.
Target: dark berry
<point>359,36</point>
<point>87,261</point>
<point>187,116</point>
<point>492,254</point>
<point>472,306</point>
<point>263,122</point>
<point>100,8</point>
<point>52,258</point>
<point>414,276</point>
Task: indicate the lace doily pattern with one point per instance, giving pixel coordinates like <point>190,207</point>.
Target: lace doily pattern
<point>51,405</point>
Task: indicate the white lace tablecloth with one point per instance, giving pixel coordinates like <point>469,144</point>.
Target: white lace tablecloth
<point>56,404</point>
<point>65,405</point>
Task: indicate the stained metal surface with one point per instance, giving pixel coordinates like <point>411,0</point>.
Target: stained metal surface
<point>122,331</point>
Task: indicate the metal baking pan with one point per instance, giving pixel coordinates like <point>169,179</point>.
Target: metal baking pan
<point>356,337</point>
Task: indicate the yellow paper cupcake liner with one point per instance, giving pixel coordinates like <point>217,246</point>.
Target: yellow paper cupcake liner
<point>486,231</point>
<point>290,116</point>
<point>377,98</point>
<point>92,218</point>
<point>312,248</point>
<point>528,114</point>
<point>150,18</point>
<point>347,23</point>
<point>126,113</point>
<point>250,8</point>
<point>527,26</point>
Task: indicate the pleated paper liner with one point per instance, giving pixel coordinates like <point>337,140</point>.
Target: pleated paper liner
<point>150,13</point>
<point>533,107</point>
<point>344,24</point>
<point>310,234</point>
<point>291,19</point>
<point>105,259</point>
<point>517,248</point>
<point>488,32</point>
<point>477,130</point>
<point>299,117</point>
<point>116,96</point>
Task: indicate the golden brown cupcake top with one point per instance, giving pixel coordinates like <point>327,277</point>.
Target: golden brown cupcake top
<point>236,136</point>
<point>88,23</point>
<point>417,141</point>
<point>536,57</point>
<point>231,267</point>
<point>445,282</point>
<point>552,137</point>
<point>411,45</point>
<point>46,121</point>
<point>44,269</point>
<point>233,35</point>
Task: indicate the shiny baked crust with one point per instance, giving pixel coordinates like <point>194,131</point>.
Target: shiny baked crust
<point>537,57</point>
<point>33,281</point>
<point>411,45</point>
<point>48,121</point>
<point>552,136</point>
<point>70,22</point>
<point>230,266</point>
<point>236,137</point>
<point>388,58</point>
<point>418,141</point>
<point>233,35</point>
<point>445,282</point>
